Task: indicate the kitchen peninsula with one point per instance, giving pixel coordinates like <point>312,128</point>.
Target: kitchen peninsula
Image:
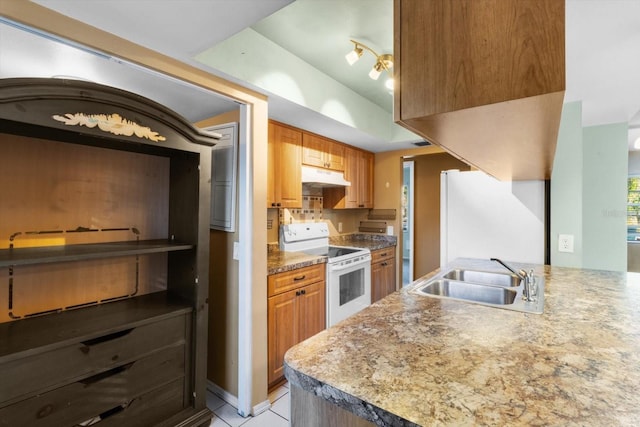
<point>414,360</point>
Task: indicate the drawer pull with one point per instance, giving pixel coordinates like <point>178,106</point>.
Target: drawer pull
<point>106,414</point>
<point>296,279</point>
<point>86,345</point>
<point>106,374</point>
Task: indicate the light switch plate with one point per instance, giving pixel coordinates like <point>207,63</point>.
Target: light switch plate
<point>565,243</point>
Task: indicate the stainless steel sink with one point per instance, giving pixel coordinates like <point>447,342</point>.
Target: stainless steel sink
<point>482,287</point>
<point>483,277</point>
<point>470,291</point>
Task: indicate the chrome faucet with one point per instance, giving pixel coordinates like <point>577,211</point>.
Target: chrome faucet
<point>530,289</point>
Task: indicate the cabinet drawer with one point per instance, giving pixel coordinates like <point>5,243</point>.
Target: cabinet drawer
<point>108,392</point>
<point>151,408</point>
<point>282,282</point>
<point>383,254</point>
<point>43,371</point>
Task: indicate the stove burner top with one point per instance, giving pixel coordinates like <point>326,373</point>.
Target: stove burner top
<point>336,251</point>
<point>332,251</point>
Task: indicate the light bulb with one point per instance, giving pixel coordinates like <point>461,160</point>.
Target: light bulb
<point>389,84</point>
<point>353,56</point>
<point>375,71</point>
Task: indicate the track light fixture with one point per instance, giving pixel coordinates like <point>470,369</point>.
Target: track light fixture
<point>384,62</point>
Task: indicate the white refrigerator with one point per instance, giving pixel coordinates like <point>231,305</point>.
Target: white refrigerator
<point>481,217</point>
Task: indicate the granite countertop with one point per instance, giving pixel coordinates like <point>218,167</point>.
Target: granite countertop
<point>280,261</point>
<point>414,360</point>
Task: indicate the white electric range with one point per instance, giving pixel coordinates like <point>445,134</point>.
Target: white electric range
<point>348,279</point>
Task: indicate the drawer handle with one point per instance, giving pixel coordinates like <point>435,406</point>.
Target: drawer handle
<point>95,341</point>
<point>106,414</point>
<point>301,292</point>
<point>384,254</point>
<point>384,264</point>
<point>297,279</point>
<point>106,374</point>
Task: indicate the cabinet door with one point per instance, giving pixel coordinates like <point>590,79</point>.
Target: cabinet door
<point>287,175</point>
<point>271,167</point>
<point>389,274</point>
<point>288,172</point>
<point>383,273</point>
<point>322,152</point>
<point>351,174</point>
<point>282,331</point>
<point>377,285</point>
<point>313,151</point>
<point>335,155</point>
<point>365,180</point>
<point>312,310</point>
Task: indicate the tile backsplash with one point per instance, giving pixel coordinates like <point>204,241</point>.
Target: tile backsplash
<point>311,211</point>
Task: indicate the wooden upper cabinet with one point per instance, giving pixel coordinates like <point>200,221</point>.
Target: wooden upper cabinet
<point>358,170</point>
<point>322,152</point>
<point>483,79</point>
<point>365,179</point>
<point>284,176</point>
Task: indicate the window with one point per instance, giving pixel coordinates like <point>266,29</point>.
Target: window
<point>633,208</point>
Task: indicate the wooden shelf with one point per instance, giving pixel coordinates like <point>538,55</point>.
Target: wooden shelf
<point>52,254</point>
<point>27,336</point>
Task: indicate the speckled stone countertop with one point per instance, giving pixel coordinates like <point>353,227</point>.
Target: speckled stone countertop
<point>361,240</point>
<point>280,261</point>
<point>414,360</point>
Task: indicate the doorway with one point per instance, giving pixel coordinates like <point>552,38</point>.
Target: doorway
<point>407,221</point>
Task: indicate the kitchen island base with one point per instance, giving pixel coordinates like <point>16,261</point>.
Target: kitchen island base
<point>309,410</point>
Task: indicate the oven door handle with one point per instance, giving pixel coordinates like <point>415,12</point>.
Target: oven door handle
<point>358,265</point>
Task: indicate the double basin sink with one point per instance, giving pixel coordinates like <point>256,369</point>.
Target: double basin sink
<point>502,290</point>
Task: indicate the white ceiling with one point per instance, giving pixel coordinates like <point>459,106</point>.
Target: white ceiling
<point>602,42</point>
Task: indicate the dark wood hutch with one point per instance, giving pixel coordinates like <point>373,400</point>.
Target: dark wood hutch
<point>104,228</point>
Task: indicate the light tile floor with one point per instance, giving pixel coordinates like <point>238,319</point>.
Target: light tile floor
<point>225,415</point>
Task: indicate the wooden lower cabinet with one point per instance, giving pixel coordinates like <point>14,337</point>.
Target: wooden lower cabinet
<point>383,273</point>
<point>295,313</point>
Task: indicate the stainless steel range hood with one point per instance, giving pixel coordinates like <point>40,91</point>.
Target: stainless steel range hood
<point>317,177</point>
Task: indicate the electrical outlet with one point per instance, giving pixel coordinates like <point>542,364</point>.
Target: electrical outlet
<point>339,227</point>
<point>565,243</point>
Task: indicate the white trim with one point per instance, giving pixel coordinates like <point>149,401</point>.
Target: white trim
<point>233,400</point>
<point>410,165</point>
<point>412,201</point>
<point>444,217</point>
<point>245,262</point>
<point>222,394</point>
<point>261,407</point>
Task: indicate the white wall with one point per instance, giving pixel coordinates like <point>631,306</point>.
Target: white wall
<point>486,218</point>
<point>256,60</point>
<point>605,197</point>
<point>566,187</point>
<point>588,193</point>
